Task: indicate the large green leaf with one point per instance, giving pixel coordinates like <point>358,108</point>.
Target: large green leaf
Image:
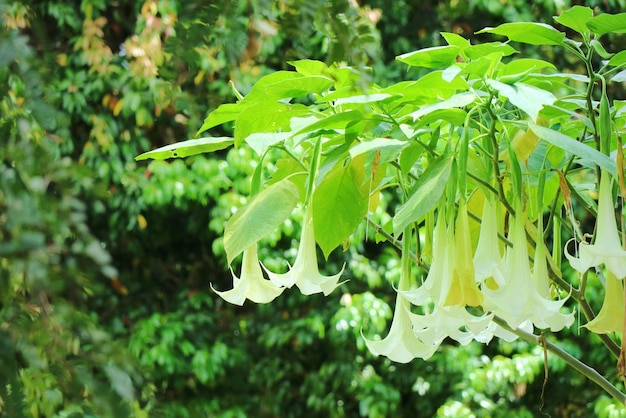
<point>426,194</point>
<point>187,148</point>
<point>261,215</point>
<point>338,208</point>
<point>224,113</point>
<point>606,23</point>
<point>528,33</point>
<point>435,57</point>
<point>576,18</point>
<point>458,100</point>
<point>575,147</point>
<point>334,121</point>
<point>529,98</point>
<point>266,117</point>
<point>298,87</point>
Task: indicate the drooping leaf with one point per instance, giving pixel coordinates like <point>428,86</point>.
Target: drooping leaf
<point>619,77</point>
<point>576,18</point>
<point>435,57</point>
<point>528,33</point>
<point>338,208</point>
<point>605,23</point>
<point>261,215</point>
<point>426,194</point>
<point>575,147</point>
<point>187,148</point>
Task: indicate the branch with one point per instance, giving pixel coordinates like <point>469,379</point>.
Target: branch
<point>589,372</point>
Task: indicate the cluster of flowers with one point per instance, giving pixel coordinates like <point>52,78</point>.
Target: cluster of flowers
<point>462,291</point>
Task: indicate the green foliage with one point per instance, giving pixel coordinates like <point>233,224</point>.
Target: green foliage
<point>105,308</point>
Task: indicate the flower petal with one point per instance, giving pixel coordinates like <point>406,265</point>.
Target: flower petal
<point>252,285</point>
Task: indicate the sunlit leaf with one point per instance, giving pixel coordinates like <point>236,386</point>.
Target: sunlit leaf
<point>338,208</point>
<point>261,215</point>
<point>266,117</point>
<point>435,57</point>
<point>528,33</point>
<point>224,113</point>
<point>575,147</point>
<point>458,100</point>
<point>526,97</point>
<point>426,194</point>
<point>576,18</point>
<point>618,59</point>
<point>187,148</point>
<point>605,23</point>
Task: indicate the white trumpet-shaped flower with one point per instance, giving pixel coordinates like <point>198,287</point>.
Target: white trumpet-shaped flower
<point>305,272</point>
<point>611,315</point>
<point>450,321</point>
<point>517,299</point>
<point>402,344</point>
<point>487,258</point>
<point>607,248</point>
<point>251,285</point>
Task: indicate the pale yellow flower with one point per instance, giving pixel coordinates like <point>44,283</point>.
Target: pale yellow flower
<point>611,315</point>
<point>607,248</point>
<point>305,273</point>
<point>252,285</point>
<point>517,299</point>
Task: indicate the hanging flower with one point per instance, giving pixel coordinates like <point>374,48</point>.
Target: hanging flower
<point>517,299</point>
<point>402,344</point>
<point>252,285</point>
<point>450,321</point>
<point>451,285</point>
<point>487,258</point>
<point>305,273</point>
<point>607,248</point>
<point>611,315</point>
<point>463,289</point>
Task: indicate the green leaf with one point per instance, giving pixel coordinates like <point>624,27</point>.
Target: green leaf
<point>426,194</point>
<point>384,145</point>
<point>458,100</point>
<point>187,148</point>
<point>261,141</point>
<point>456,40</point>
<point>576,18</point>
<point>338,209</point>
<point>606,23</point>
<point>528,98</point>
<point>266,117</point>
<point>257,92</point>
<point>480,50</point>
<point>298,87</point>
<point>435,57</point>
<point>453,116</point>
<point>575,147</point>
<point>310,67</point>
<point>261,215</point>
<point>619,77</point>
<point>334,121</point>
<point>528,33</point>
<point>224,113</point>
<point>618,59</point>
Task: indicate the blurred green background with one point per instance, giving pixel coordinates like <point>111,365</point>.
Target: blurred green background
<point>105,264</point>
